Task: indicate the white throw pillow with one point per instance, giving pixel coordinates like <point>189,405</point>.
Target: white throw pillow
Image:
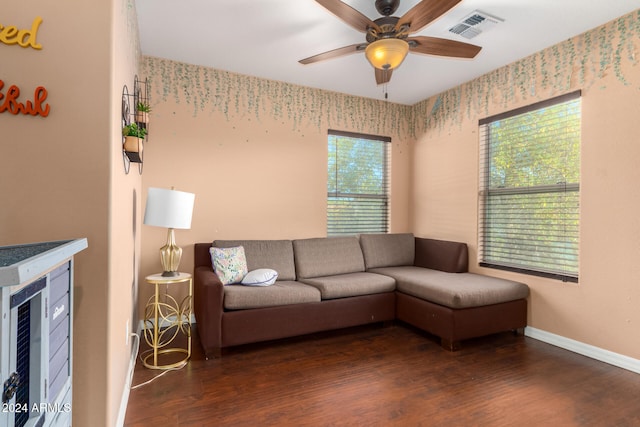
<point>260,277</point>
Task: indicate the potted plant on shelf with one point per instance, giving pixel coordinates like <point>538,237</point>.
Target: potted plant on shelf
<point>142,112</point>
<point>134,135</point>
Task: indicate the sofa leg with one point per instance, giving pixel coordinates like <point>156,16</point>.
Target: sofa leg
<point>215,353</point>
<point>450,345</point>
<point>518,331</point>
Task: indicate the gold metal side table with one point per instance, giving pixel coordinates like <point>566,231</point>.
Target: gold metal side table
<point>164,318</point>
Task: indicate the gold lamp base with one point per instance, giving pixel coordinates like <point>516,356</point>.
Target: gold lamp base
<point>170,255</point>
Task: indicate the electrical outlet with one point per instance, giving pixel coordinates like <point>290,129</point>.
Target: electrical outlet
<point>126,339</point>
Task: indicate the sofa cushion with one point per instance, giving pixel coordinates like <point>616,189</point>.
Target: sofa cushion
<point>351,284</point>
<point>387,250</point>
<point>229,264</point>
<point>327,256</point>
<point>274,254</point>
<point>454,290</point>
<point>286,292</point>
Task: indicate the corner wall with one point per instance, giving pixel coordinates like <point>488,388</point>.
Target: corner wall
<point>254,152</point>
<point>125,198</point>
<point>62,176</point>
<point>601,310</point>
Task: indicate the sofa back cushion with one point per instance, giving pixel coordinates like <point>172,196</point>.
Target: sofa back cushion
<point>388,250</point>
<point>443,255</point>
<point>273,254</point>
<point>327,256</point>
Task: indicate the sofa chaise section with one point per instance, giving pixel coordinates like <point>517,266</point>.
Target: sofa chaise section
<point>435,291</point>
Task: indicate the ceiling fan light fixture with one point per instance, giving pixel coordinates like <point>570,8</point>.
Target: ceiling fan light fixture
<point>387,54</point>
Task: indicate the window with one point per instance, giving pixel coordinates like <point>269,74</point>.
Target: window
<point>357,184</point>
<point>530,189</point>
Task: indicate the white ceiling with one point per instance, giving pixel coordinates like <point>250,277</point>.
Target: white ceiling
<point>267,38</point>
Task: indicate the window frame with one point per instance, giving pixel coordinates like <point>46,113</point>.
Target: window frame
<point>333,228</point>
<point>485,192</point>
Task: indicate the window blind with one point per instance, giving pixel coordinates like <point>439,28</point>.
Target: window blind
<point>357,184</point>
<point>529,193</point>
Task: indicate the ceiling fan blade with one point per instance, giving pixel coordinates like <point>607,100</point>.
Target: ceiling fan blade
<point>349,15</point>
<point>442,47</point>
<point>425,12</point>
<point>346,50</point>
<point>383,76</point>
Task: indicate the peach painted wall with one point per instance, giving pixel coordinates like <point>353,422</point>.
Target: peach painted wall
<point>62,177</point>
<point>254,152</point>
<point>602,309</point>
<point>125,198</point>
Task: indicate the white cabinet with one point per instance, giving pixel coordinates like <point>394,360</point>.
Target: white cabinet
<point>36,339</point>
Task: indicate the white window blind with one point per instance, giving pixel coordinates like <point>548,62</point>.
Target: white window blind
<point>529,191</point>
<point>357,184</point>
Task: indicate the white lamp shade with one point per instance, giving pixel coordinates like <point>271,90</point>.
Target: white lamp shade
<point>169,208</point>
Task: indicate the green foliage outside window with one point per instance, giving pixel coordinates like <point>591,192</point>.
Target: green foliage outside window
<point>357,193</point>
<point>530,190</point>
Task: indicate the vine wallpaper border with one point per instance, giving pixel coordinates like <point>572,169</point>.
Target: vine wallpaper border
<point>209,90</point>
<point>580,62</point>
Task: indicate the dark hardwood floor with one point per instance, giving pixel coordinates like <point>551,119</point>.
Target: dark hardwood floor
<point>392,376</point>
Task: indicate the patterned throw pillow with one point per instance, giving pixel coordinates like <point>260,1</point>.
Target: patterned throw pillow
<point>230,264</point>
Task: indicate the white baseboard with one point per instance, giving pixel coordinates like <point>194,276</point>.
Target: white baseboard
<point>124,402</point>
<point>593,352</point>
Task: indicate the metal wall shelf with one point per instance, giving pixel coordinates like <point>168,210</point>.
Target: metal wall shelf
<point>132,115</point>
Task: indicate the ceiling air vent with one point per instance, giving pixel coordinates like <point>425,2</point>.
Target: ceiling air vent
<point>474,24</point>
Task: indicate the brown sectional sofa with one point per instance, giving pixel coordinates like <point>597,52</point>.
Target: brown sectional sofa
<point>338,282</point>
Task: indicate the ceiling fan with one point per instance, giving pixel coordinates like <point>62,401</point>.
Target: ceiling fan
<point>387,37</point>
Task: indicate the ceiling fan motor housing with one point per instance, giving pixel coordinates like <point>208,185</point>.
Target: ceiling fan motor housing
<point>386,29</point>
